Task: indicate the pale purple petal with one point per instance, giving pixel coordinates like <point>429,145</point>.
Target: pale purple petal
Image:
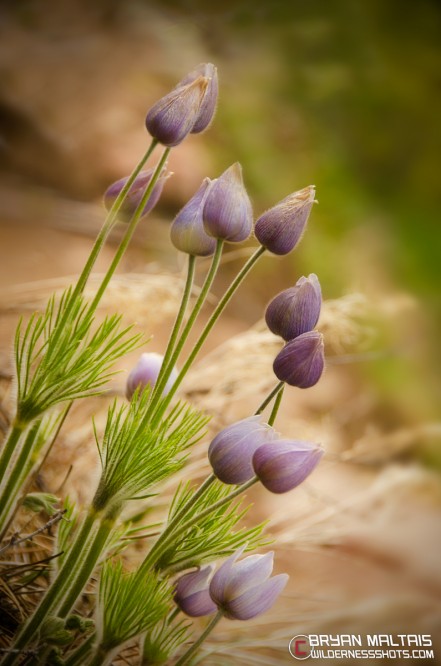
<point>280,228</point>
<point>197,604</point>
<point>295,310</point>
<point>193,582</point>
<point>257,600</point>
<point>145,373</point>
<point>221,577</point>
<point>285,464</point>
<point>231,451</point>
<point>301,361</point>
<point>173,116</point>
<point>209,101</point>
<point>187,232</point>
<point>192,595</point>
<point>135,194</point>
<point>245,573</point>
<point>227,211</point>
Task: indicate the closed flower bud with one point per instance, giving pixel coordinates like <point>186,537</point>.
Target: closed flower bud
<point>295,310</point>
<point>187,232</point>
<point>301,361</point>
<point>284,464</point>
<point>231,451</point>
<point>174,116</point>
<point>145,373</point>
<point>281,227</point>
<point>191,593</point>
<point>209,100</point>
<point>227,210</point>
<point>243,590</point>
<point>135,194</point>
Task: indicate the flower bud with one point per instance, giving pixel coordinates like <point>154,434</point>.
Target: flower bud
<point>281,227</point>
<point>284,464</point>
<point>295,310</point>
<point>187,232</point>
<point>243,590</point>
<point>227,210</point>
<point>135,194</point>
<point>174,116</point>
<point>209,100</point>
<point>191,593</point>
<point>231,451</point>
<point>145,373</point>
<point>301,361</point>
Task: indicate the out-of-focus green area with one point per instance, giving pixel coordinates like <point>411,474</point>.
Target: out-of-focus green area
<point>347,96</point>
<point>342,94</point>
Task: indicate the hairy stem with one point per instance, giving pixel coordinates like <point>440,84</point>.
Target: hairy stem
<point>196,645</point>
<point>79,657</point>
<point>209,325</point>
<point>170,535</point>
<point>157,548</point>
<point>10,445</point>
<point>25,467</point>
<point>270,397</point>
<point>71,579</point>
<point>189,325</point>
<point>14,479</point>
<point>129,231</point>
<point>276,406</point>
<point>167,366</point>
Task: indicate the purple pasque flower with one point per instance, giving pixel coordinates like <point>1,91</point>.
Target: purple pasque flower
<point>280,228</point>
<point>135,194</point>
<point>174,116</point>
<point>191,593</point>
<point>227,212</point>
<point>187,232</point>
<point>301,361</point>
<point>209,100</point>
<point>231,451</point>
<point>283,465</point>
<point>145,373</point>
<point>295,310</point>
<point>242,590</point>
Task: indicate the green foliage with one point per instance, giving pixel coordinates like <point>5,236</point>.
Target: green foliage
<point>58,358</point>
<point>214,535</point>
<point>65,531</point>
<point>162,642</point>
<point>41,502</point>
<point>135,455</point>
<point>128,604</point>
<point>54,632</point>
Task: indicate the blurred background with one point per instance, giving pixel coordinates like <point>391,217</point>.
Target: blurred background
<point>342,94</point>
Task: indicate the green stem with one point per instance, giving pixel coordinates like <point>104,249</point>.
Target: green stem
<point>209,325</point>
<point>79,656</point>
<point>191,650</point>
<point>157,548</point>
<point>189,325</point>
<point>167,367</point>
<point>99,242</point>
<point>15,479</point>
<point>108,223</point>
<point>26,466</point>
<point>129,231</point>
<point>172,535</point>
<point>276,406</point>
<point>269,397</point>
<point>10,445</point>
<point>88,565</point>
